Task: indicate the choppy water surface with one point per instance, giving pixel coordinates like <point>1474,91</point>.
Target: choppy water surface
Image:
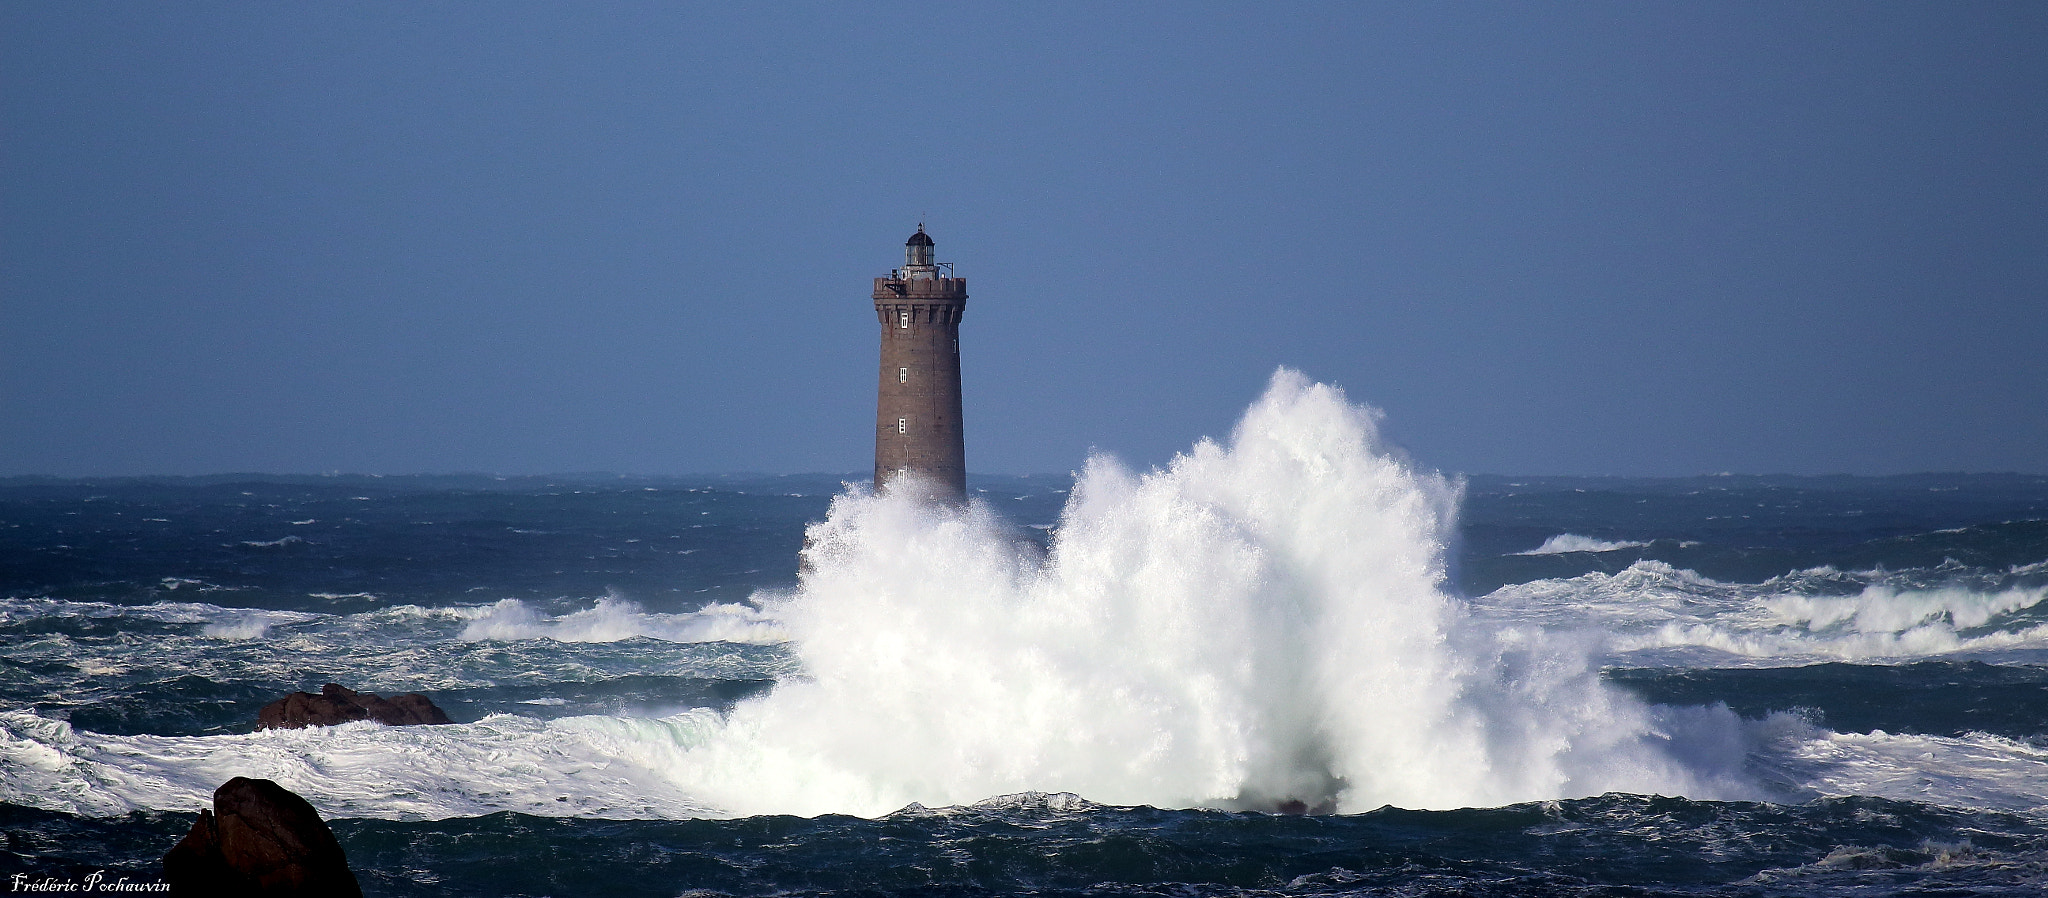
<point>1106,682</point>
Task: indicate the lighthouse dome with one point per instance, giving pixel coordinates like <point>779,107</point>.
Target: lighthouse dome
<point>919,239</point>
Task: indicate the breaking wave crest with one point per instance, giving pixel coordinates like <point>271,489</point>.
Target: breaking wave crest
<point>613,618</point>
<point>1653,612</point>
<point>1571,542</point>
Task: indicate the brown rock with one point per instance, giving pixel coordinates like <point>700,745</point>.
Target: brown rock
<point>260,839</point>
<point>336,704</point>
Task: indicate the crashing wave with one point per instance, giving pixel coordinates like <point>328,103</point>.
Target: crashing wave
<point>1262,622</point>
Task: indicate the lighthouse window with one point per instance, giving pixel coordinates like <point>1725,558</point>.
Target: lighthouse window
<point>903,375</point>
<point>902,425</point>
<point>903,319</point>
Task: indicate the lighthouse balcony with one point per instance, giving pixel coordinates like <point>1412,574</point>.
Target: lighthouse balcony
<point>922,288</point>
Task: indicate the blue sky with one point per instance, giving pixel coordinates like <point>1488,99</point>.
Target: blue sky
<point>1633,238</point>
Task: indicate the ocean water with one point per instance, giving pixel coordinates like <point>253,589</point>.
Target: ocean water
<point>1113,682</point>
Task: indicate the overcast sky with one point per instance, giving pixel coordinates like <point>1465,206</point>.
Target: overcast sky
<point>1637,238</point>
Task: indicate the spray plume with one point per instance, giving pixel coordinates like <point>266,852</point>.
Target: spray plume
<point>1260,623</point>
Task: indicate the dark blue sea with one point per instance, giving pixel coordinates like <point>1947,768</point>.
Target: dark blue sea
<point>1115,681</point>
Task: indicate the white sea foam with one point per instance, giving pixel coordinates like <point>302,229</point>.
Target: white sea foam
<point>404,648</point>
<point>641,768</point>
<point>584,767</point>
<point>1572,542</point>
<point>15,609</point>
<point>1654,611</point>
<point>176,583</point>
<point>1260,621</point>
<point>1974,770</point>
<point>244,623</point>
<point>614,618</point>
<point>1885,609</point>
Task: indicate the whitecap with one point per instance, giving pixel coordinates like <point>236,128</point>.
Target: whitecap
<point>1571,542</point>
<point>613,618</point>
<point>1654,612</point>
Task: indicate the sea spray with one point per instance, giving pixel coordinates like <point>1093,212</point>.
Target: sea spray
<point>1258,624</point>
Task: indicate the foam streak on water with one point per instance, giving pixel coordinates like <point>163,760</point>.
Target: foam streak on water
<point>1259,622</point>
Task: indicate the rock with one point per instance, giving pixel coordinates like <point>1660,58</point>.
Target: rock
<point>259,839</point>
<point>336,704</point>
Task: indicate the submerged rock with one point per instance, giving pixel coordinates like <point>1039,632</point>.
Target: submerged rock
<point>259,839</point>
<point>336,704</point>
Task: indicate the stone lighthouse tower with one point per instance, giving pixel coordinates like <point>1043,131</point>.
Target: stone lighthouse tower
<point>917,407</point>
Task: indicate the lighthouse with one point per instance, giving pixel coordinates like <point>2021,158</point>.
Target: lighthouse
<point>917,405</point>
